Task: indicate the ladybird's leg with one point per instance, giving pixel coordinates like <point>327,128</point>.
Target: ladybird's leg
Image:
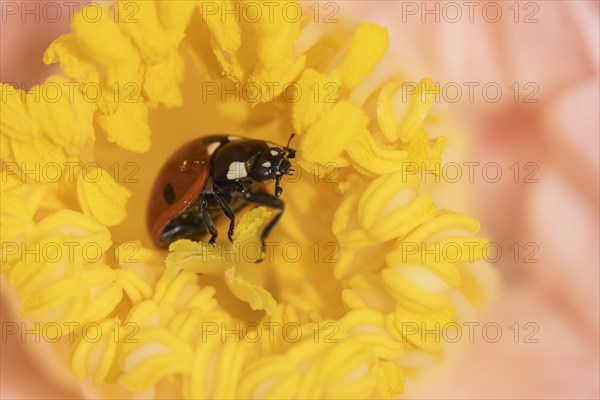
<point>208,222</point>
<point>268,200</point>
<point>228,213</point>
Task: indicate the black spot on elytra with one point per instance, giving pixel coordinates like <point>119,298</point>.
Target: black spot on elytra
<point>169,194</point>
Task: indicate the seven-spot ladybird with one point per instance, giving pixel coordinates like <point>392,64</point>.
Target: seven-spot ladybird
<point>211,176</point>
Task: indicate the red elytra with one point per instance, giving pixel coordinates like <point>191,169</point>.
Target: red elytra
<point>186,171</point>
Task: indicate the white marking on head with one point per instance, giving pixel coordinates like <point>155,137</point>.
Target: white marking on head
<point>274,152</point>
<point>231,138</point>
<point>237,170</point>
<point>211,147</point>
<point>267,164</point>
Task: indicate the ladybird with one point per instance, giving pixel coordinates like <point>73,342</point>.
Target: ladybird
<point>211,176</point>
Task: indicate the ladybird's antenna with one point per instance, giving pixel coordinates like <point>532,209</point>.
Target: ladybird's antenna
<point>290,140</point>
<point>287,146</point>
<point>289,153</point>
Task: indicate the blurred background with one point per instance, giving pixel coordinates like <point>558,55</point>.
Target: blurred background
<point>522,79</point>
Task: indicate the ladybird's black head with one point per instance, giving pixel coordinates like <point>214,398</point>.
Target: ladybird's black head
<point>273,163</point>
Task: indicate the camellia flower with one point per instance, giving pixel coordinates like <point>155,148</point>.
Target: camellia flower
<point>362,274</point>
